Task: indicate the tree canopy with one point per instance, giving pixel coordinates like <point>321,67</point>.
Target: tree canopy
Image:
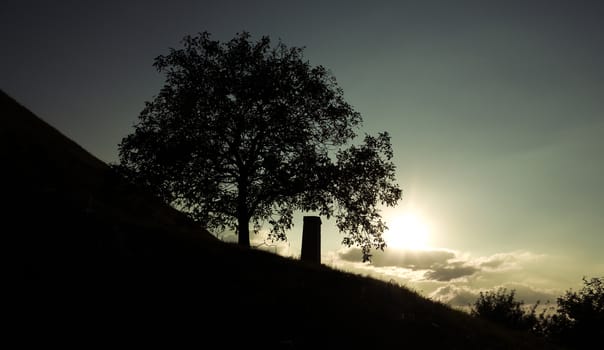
<point>576,323</point>
<point>243,133</point>
<point>501,306</point>
<point>579,320</point>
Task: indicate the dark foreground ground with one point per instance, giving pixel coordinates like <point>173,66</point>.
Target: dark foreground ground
<point>91,261</point>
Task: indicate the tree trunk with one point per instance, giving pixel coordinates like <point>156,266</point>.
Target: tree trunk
<point>243,229</point>
<point>243,215</point>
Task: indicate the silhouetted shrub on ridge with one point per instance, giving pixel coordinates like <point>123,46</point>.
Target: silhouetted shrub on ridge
<point>577,322</point>
<point>501,307</point>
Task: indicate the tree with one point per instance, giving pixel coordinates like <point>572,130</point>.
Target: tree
<point>244,133</point>
<point>576,324</point>
<point>579,320</point>
<point>501,307</point>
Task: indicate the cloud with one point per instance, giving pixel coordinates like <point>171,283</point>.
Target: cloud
<point>436,265</point>
<point>462,296</point>
<point>450,272</point>
<point>457,296</point>
<point>439,264</point>
<point>410,259</point>
<point>531,295</point>
<point>453,277</point>
<point>505,261</point>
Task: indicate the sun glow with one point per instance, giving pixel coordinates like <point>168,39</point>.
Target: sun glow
<point>407,231</point>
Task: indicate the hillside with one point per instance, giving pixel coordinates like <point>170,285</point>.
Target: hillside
<point>92,260</point>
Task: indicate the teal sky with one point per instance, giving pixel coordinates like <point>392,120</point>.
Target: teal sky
<point>495,108</point>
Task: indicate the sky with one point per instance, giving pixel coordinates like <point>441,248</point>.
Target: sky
<point>495,109</point>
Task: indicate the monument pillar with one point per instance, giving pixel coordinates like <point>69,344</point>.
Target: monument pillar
<point>311,239</point>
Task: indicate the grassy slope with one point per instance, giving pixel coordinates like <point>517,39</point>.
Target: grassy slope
<point>94,260</point>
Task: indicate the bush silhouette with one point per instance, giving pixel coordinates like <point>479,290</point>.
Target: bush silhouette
<point>579,320</point>
<point>501,307</point>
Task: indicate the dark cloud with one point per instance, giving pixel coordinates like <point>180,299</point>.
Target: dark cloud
<point>458,296</point>
<point>439,265</point>
<point>415,260</point>
<point>501,260</point>
<point>493,264</point>
<point>450,272</point>
<point>531,295</point>
<point>463,296</point>
<point>437,262</point>
<point>453,277</point>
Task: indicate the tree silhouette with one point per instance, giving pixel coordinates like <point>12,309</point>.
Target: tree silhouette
<point>501,306</point>
<point>244,133</point>
<point>579,320</point>
<point>576,324</point>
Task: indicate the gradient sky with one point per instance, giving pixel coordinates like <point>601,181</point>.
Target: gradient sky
<point>495,108</point>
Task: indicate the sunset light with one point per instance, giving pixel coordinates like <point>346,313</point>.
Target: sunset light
<point>407,231</point>
<point>371,174</point>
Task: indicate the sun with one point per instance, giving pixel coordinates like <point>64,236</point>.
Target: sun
<point>407,231</point>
